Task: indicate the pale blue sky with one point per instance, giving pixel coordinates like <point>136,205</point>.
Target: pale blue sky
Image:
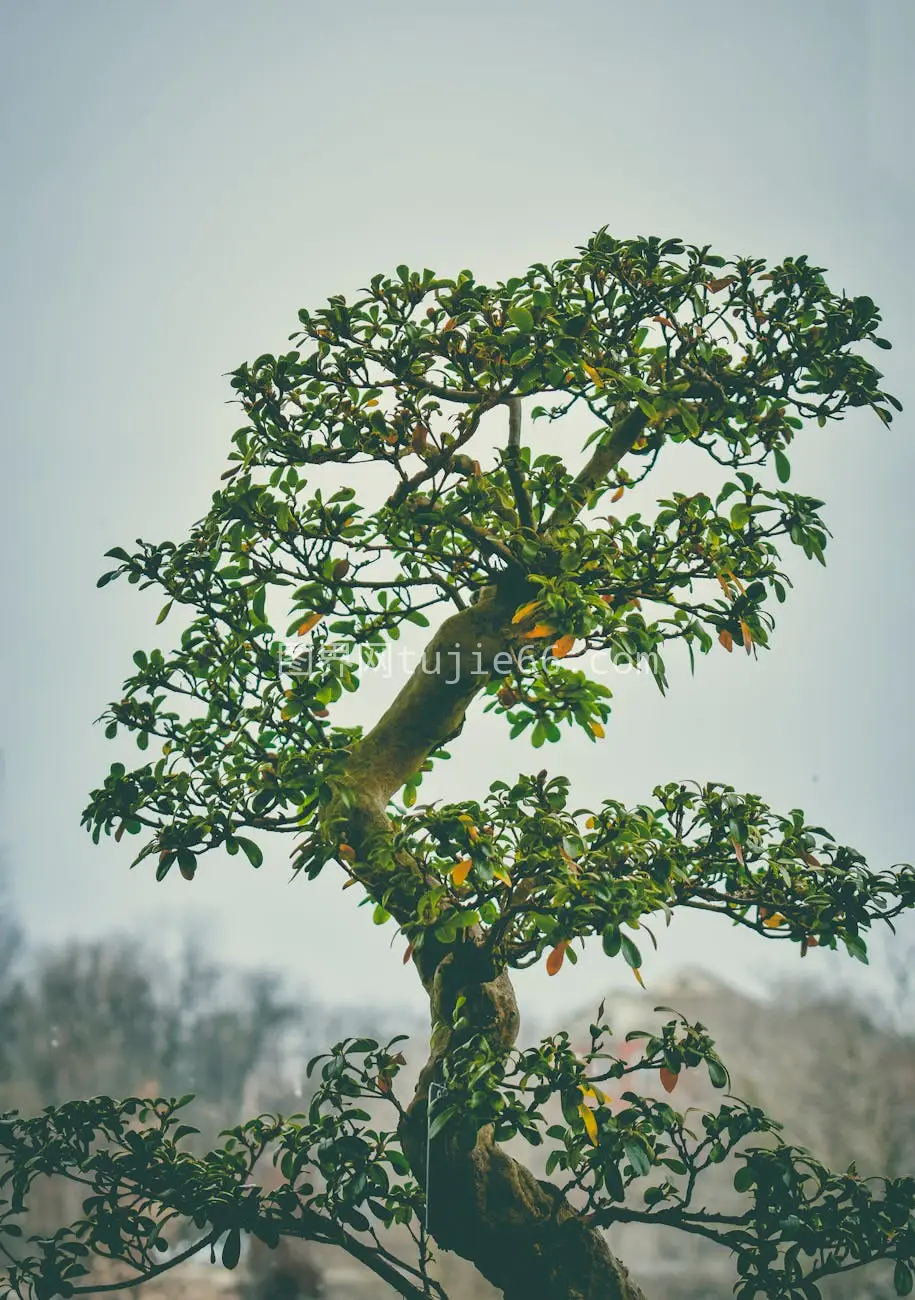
<point>179,178</point>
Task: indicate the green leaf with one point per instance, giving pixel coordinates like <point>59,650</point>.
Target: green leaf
<point>251,850</point>
<point>744,1179</point>
<point>231,1250</point>
<point>717,1073</point>
<point>164,612</point>
<point>782,466</point>
<point>856,947</point>
<point>611,939</point>
<point>630,952</point>
<point>638,1157</point>
<point>521,318</point>
<point>902,1278</point>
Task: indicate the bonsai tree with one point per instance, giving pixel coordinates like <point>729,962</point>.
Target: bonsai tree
<point>522,575</point>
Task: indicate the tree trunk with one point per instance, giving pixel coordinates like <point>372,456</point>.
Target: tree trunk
<point>520,1232</point>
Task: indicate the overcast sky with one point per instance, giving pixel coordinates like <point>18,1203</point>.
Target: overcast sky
<point>179,178</point>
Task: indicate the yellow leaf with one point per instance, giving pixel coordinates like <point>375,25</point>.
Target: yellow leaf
<point>591,823</point>
<point>500,873</point>
<point>724,584</point>
<point>525,610</point>
<point>747,636</point>
<point>563,647</point>
<point>597,730</point>
<point>726,639</point>
<point>556,958</point>
<point>539,631</point>
<point>311,621</point>
<point>597,1093</point>
<point>373,401</point>
<point>638,975</point>
<point>592,374</point>
<point>774,921</point>
<point>460,873</point>
<point>617,494</point>
<point>590,1123</point>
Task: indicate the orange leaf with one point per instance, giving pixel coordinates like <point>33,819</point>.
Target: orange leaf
<point>811,860</point>
<point>738,852</point>
<point>724,584</point>
<point>717,285</point>
<point>340,570</point>
<point>506,697</point>
<point>563,646</point>
<point>418,441</point>
<point>347,852</point>
<point>556,957</point>
<point>460,873</point>
<point>539,631</point>
<point>525,610</point>
<point>570,861</point>
<point>669,1080</point>
<point>618,494</point>
<point>747,636</point>
<point>311,621</point>
<point>726,639</point>
<point>597,730</point>
<point>408,954</point>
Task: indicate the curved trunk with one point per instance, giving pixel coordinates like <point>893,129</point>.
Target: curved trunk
<point>519,1231</point>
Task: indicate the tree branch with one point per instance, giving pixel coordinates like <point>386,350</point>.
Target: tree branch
<point>512,461</point>
<point>608,455</point>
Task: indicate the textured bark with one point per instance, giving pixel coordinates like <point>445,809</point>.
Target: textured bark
<point>519,1231</point>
